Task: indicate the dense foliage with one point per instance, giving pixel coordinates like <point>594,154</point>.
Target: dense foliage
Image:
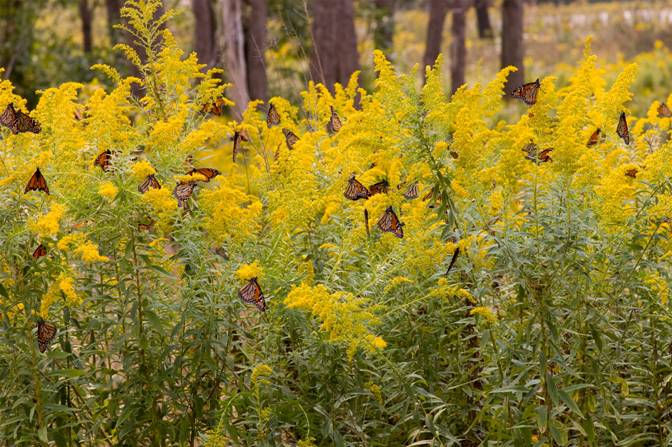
<point>552,328</point>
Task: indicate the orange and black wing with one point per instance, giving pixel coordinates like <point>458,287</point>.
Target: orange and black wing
<point>389,222</point>
<point>104,160</point>
<point>8,116</point>
<point>632,173</point>
<point>146,226</point>
<point>379,188</point>
<point>238,139</point>
<point>216,107</point>
<point>182,192</point>
<point>150,183</point>
<point>527,92</point>
<point>39,251</point>
<point>545,155</point>
<point>37,183</point>
<point>334,124</point>
<point>622,129</point>
<point>412,191</point>
<point>208,173</point>
<point>45,334</point>
<point>594,137</point>
<point>25,123</point>
<point>356,190</point>
<point>272,117</point>
<point>664,111</point>
<point>290,138</point>
<point>251,293</point>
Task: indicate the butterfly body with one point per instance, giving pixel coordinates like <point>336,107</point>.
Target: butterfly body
<point>104,160</point>
<point>389,222</point>
<point>356,190</point>
<point>150,183</point>
<point>37,183</point>
<point>527,92</point>
<point>238,139</point>
<point>251,293</point>
<point>18,122</point>
<point>46,333</point>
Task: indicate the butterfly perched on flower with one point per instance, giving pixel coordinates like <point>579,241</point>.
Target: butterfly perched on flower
<point>208,173</point>
<point>334,124</point>
<point>215,107</point>
<point>632,172</point>
<point>412,191</point>
<point>527,92</point>
<point>594,137</point>
<point>182,192</point>
<point>379,188</point>
<point>664,111</point>
<point>40,251</point>
<point>272,117</point>
<point>622,128</point>
<point>533,154</point>
<point>238,139</point>
<point>389,222</point>
<point>150,182</point>
<point>45,334</point>
<point>251,293</point>
<point>104,160</point>
<point>290,138</point>
<point>18,122</point>
<point>356,190</point>
<point>37,182</point>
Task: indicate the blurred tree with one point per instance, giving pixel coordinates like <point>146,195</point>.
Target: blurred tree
<point>458,48</point>
<point>383,33</point>
<point>232,44</point>
<point>437,18</point>
<point>113,17</point>
<point>483,19</point>
<point>513,49</point>
<point>205,29</point>
<point>255,17</point>
<point>86,16</point>
<point>334,56</point>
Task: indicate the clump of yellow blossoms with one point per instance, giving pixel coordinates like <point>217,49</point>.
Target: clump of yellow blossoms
<point>48,224</point>
<point>248,271</point>
<point>108,190</point>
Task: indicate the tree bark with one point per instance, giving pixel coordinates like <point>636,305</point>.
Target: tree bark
<point>458,48</point>
<point>232,44</point>
<point>86,15</point>
<point>113,17</point>
<point>513,49</point>
<point>334,57</point>
<point>255,46</point>
<point>383,35</point>
<point>205,29</point>
<point>483,19</point>
<point>437,18</point>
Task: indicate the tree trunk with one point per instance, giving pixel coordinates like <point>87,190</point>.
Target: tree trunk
<point>458,48</point>
<point>113,17</point>
<point>513,49</point>
<point>255,46</point>
<point>437,18</point>
<point>334,57</point>
<point>205,29</point>
<point>232,43</point>
<point>86,15</point>
<point>483,19</point>
<point>383,35</point>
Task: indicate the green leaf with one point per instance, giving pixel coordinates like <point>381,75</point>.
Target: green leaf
<point>567,400</point>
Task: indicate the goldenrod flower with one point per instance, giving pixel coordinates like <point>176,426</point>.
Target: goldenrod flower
<point>108,190</point>
<point>248,271</point>
<point>485,312</point>
<point>48,224</point>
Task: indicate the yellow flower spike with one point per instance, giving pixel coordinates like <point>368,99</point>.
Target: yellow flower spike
<point>88,251</point>
<point>142,169</point>
<point>108,190</point>
<point>248,271</point>
<point>260,373</point>
<point>485,312</point>
<point>48,224</point>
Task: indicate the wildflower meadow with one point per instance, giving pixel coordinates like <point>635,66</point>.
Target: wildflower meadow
<point>391,266</point>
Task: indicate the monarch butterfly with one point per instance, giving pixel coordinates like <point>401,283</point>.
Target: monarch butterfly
<point>622,128</point>
<point>664,111</point>
<point>208,173</point>
<point>356,190</point>
<point>17,121</point>
<point>216,107</point>
<point>379,188</point>
<point>149,226</point>
<point>238,139</point>
<point>45,334</point>
<point>366,222</point>
<point>453,259</point>
<point>39,252</point>
<point>251,293</point>
<point>290,138</point>
<point>527,92</point>
<point>221,252</point>
<point>334,124</point>
<point>182,192</point>
<point>594,137</point>
<point>150,182</point>
<point>272,117</point>
<point>412,191</point>
<point>632,172</point>
<point>104,160</point>
<point>533,154</point>
<point>389,222</point>
<point>37,183</point>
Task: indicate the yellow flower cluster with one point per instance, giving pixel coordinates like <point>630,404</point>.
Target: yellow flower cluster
<point>486,312</point>
<point>248,271</point>
<point>108,190</point>
<point>48,224</point>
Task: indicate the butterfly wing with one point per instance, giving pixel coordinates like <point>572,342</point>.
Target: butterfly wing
<point>379,188</point>
<point>356,190</point>
<point>8,117</point>
<point>527,92</point>
<point>216,107</point>
<point>334,124</point>
<point>290,138</point>
<point>664,111</point>
<point>272,117</point>
<point>238,139</point>
<point>389,222</point>
<point>150,182</point>
<point>25,123</point>
<point>37,182</point>
<point>251,293</point>
<point>594,138</point>
<point>104,160</point>
<point>39,252</point>
<point>545,155</point>
<point>208,173</point>
<point>622,129</point>
<point>412,191</point>
<point>632,173</point>
<point>45,334</point>
<point>182,192</point>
